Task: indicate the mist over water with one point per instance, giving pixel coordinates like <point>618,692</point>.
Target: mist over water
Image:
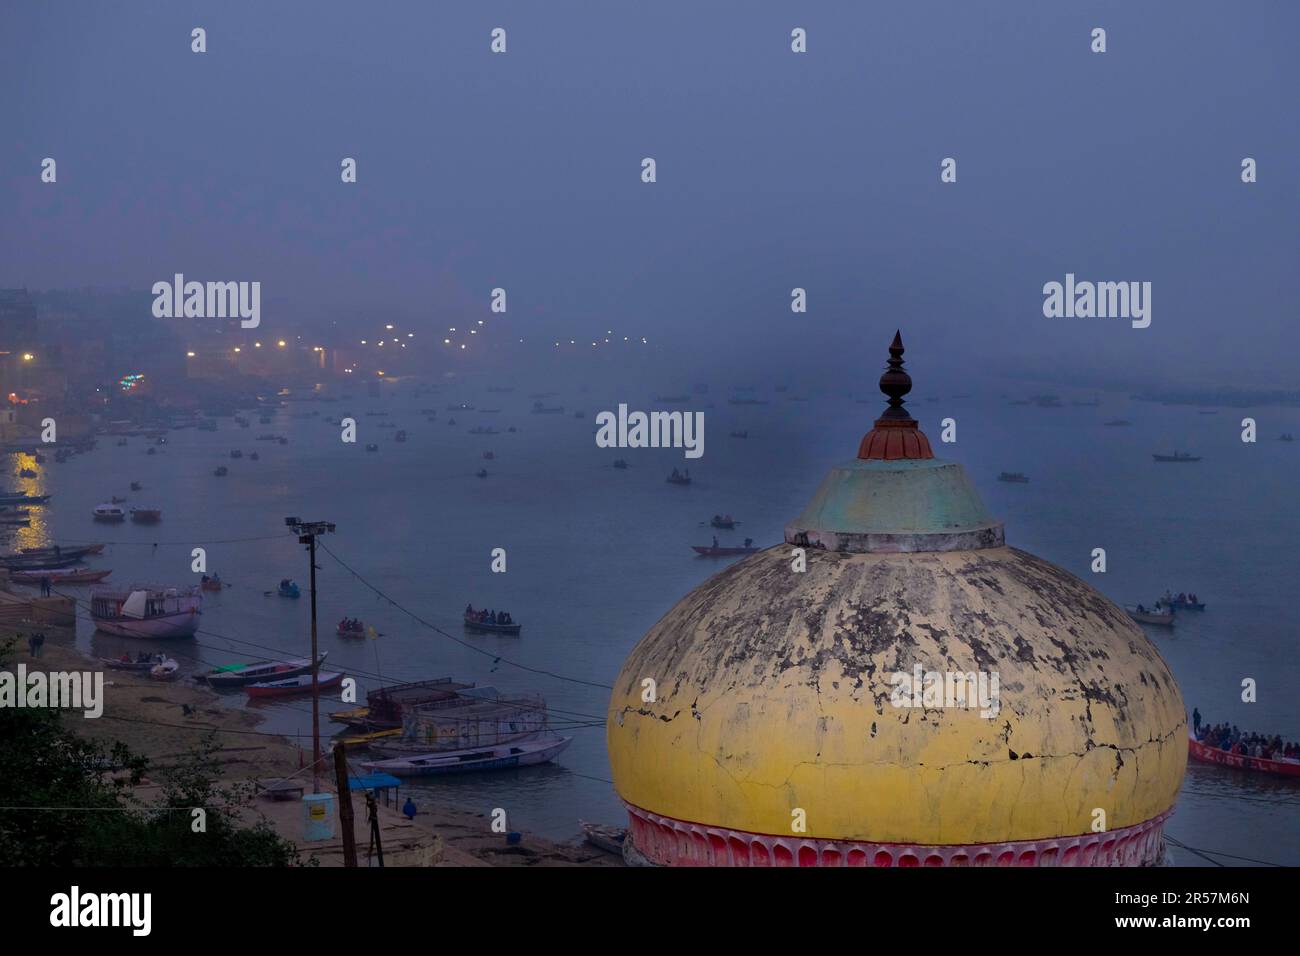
<point>597,555</point>
<point>775,172</point>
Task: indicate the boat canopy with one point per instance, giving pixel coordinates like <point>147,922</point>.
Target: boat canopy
<point>136,605</point>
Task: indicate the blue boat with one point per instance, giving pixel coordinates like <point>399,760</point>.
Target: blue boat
<point>289,589</point>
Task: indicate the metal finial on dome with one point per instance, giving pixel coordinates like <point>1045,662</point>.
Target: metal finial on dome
<point>895,382</point>
<point>896,435</point>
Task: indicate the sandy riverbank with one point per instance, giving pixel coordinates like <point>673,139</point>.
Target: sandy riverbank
<point>165,720</point>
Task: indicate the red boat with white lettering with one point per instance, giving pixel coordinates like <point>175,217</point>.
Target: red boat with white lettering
<point>1208,754</point>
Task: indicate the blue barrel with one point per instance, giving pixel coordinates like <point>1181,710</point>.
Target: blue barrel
<point>318,816</point>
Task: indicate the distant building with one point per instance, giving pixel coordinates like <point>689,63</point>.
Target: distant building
<point>18,329</point>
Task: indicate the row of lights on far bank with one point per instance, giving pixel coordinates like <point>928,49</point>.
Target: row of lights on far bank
<point>257,345</point>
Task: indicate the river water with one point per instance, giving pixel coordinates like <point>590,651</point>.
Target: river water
<point>596,555</point>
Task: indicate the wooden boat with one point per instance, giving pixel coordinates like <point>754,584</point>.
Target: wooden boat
<point>1183,604</point>
<point>236,453</point>
<point>358,631</point>
<point>489,455</point>
<point>18,498</point>
<point>1179,456</point>
<point>1151,617</point>
<point>620,464</point>
<point>125,663</point>
<point>488,627</point>
<point>521,753</point>
<point>213,583</point>
<point>388,707</point>
<point>146,515</point>
<point>679,479</point>
<point>77,553</point>
<point>289,589</point>
<point>294,685</point>
<point>1208,754</point>
<point>481,473</point>
<point>23,562</point>
<point>475,718</point>
<point>61,576</point>
<point>1286,436</point>
<point>365,740</point>
<point>605,837</point>
<point>221,471</point>
<point>1015,477</point>
<point>241,675</point>
<point>109,513</point>
<point>147,612</point>
<point>717,551</point>
<point>724,521</point>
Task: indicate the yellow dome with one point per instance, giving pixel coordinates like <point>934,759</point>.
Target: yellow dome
<point>773,693</point>
<point>786,709</point>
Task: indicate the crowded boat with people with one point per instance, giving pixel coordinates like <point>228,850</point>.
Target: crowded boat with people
<point>484,619</point>
<point>1229,746</point>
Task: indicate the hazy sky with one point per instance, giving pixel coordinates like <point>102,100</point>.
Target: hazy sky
<point>775,170</point>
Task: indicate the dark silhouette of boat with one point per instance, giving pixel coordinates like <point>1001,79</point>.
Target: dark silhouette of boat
<point>1015,477</point>
<point>720,551</point>
<point>487,627</point>
<point>1179,456</point>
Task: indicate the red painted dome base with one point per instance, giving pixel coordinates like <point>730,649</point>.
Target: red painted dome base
<point>669,842</point>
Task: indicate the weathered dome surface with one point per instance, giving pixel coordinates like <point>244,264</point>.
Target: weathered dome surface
<point>774,693</point>
<point>776,731</point>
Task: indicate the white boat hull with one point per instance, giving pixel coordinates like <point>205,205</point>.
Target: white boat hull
<point>183,624</point>
<point>520,754</point>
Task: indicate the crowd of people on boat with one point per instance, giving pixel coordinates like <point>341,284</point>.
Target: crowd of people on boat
<point>1181,598</point>
<point>1230,738</point>
<point>486,616</point>
<point>351,624</point>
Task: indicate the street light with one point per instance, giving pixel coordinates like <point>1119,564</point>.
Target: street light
<point>307,532</point>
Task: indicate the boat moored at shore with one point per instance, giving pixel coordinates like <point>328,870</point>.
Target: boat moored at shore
<point>147,612</point>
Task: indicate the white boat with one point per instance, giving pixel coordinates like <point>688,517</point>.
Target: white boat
<point>148,612</point>
<point>522,753</point>
<point>164,670</point>
<point>109,512</point>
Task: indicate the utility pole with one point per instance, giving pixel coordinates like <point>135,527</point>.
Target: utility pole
<point>307,532</point>
<point>345,806</point>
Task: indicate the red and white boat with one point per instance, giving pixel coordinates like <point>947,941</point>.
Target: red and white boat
<point>294,685</point>
<point>148,612</point>
<point>1224,758</point>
